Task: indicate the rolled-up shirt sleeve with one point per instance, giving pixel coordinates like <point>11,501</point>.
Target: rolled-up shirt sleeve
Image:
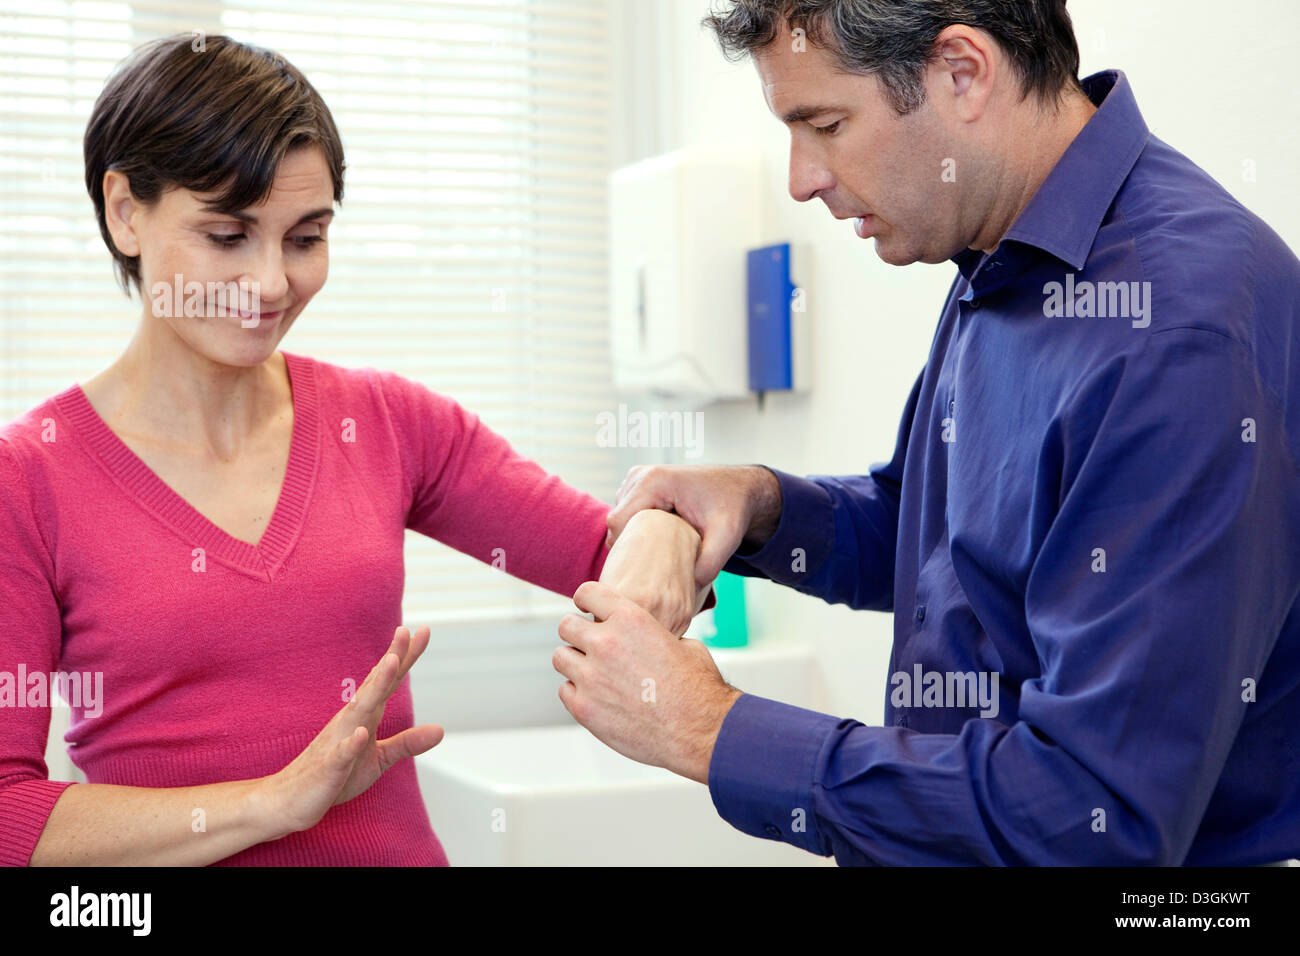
<point>1174,464</point>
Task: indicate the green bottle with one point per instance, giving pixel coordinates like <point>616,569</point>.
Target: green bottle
<point>730,623</point>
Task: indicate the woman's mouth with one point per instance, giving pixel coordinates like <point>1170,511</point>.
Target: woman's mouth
<point>250,320</point>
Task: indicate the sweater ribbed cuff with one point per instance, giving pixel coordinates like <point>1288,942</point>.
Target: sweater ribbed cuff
<point>24,810</point>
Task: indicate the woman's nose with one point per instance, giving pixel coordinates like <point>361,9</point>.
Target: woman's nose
<point>264,283</point>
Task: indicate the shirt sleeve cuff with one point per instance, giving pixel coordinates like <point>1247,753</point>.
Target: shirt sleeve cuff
<point>803,538</point>
<point>763,769</point>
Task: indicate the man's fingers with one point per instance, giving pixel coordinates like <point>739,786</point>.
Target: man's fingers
<point>574,630</point>
<point>627,503</point>
<point>618,518</point>
<point>715,551</point>
<point>568,692</point>
<point>598,599</point>
<point>568,661</point>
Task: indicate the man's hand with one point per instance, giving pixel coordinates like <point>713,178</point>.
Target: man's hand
<point>728,506</point>
<point>653,564</point>
<point>653,697</point>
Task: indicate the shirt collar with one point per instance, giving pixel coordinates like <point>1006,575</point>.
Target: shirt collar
<point>1065,213</point>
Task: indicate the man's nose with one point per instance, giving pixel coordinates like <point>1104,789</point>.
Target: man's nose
<point>808,176</point>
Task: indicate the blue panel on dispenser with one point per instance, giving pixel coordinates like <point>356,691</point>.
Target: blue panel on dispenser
<point>771,292</point>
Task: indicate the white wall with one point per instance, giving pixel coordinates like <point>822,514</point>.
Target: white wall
<point>1211,79</point>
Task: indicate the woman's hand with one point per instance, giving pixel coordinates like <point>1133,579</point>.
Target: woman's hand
<point>653,564</point>
<point>345,759</point>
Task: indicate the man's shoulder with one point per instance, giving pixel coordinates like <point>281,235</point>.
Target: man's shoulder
<point>1203,251</point>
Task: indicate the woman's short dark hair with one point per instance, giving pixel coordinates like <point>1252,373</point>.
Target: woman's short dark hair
<point>894,39</point>
<point>202,113</point>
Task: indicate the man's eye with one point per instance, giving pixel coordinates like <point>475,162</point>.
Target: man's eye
<point>226,240</point>
<point>827,130</point>
<point>305,241</point>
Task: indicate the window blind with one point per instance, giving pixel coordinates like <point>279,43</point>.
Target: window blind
<point>468,253</point>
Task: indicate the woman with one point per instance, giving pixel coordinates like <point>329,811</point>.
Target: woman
<point>216,527</point>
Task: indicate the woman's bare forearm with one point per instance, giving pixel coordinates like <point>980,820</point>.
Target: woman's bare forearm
<point>653,564</point>
<point>95,824</point>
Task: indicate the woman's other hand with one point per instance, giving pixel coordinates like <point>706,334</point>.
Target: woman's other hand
<point>345,758</point>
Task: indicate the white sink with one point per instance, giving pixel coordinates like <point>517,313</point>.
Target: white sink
<point>555,795</point>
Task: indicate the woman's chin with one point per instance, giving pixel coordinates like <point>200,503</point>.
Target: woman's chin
<point>239,351</point>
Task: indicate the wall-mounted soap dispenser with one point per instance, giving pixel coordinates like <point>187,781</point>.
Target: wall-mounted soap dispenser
<point>680,227</point>
<point>778,319</point>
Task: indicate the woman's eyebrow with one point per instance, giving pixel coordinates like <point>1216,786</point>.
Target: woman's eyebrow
<point>249,218</point>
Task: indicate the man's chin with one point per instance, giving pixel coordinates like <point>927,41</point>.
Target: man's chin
<point>893,255</point>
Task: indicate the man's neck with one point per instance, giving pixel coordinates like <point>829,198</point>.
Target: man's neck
<point>1047,135</point>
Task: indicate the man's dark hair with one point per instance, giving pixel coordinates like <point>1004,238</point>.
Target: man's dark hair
<point>201,115</point>
<point>895,39</point>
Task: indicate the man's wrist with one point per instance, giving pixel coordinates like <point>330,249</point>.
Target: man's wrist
<point>765,513</point>
<point>701,756</point>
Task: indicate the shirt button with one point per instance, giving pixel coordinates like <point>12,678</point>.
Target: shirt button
<point>920,613</point>
<point>902,720</point>
<point>952,407</point>
<point>974,303</point>
<point>771,830</point>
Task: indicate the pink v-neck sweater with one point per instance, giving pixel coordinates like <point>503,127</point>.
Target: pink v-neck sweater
<point>222,660</point>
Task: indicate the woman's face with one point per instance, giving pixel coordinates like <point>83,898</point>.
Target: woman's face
<point>244,275</point>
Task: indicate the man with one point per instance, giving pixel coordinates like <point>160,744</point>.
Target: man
<point>1089,532</point>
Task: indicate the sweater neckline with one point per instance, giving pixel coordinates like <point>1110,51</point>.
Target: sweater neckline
<point>281,533</point>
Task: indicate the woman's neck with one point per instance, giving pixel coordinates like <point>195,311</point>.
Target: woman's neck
<point>165,391</point>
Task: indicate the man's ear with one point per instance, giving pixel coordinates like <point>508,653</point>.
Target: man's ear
<point>967,62</point>
<point>119,206</point>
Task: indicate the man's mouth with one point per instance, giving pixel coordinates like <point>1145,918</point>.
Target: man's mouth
<point>863,226</point>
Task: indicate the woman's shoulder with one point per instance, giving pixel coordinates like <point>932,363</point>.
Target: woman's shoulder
<point>33,435</point>
<point>398,394</point>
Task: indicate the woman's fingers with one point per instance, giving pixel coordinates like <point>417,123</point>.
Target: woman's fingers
<point>367,704</point>
<point>415,647</point>
<point>409,743</point>
<point>352,746</point>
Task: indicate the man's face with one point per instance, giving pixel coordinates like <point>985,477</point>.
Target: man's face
<point>851,150</point>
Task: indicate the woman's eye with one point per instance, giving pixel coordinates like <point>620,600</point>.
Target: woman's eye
<point>230,240</point>
<point>827,130</point>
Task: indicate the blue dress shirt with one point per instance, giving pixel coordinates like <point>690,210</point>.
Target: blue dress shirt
<point>1093,514</point>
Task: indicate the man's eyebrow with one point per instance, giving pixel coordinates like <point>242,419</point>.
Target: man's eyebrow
<point>801,113</point>
<point>249,218</point>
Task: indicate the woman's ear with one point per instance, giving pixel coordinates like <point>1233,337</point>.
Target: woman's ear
<point>119,208</point>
